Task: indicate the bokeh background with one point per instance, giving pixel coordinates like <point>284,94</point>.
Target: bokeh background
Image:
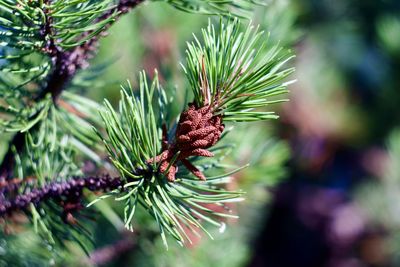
<point>323,188</point>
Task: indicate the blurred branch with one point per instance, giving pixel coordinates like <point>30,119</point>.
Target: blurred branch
<point>106,254</point>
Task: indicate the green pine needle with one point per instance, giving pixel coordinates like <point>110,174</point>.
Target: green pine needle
<point>134,136</point>
<point>237,72</point>
<point>134,133</point>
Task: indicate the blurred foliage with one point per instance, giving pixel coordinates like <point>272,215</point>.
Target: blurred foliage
<point>379,199</point>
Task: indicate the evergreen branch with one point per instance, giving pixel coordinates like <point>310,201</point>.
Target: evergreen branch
<point>161,162</point>
<point>235,72</point>
<point>229,80</point>
<point>66,64</point>
<point>177,200</point>
<point>123,7</point>
<point>13,185</point>
<point>71,190</point>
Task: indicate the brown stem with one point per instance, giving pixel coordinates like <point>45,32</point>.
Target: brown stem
<point>68,191</point>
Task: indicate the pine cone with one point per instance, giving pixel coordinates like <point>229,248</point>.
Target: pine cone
<point>198,129</point>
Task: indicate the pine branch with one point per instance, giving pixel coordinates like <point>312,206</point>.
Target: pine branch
<point>71,190</point>
<point>66,64</point>
<point>230,78</point>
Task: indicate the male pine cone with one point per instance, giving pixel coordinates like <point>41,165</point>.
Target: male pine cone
<point>198,129</point>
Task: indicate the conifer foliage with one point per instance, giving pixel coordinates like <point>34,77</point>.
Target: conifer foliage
<point>170,167</point>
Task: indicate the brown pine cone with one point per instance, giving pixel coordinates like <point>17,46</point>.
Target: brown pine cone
<point>198,129</point>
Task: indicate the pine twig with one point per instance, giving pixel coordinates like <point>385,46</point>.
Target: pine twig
<point>71,190</point>
<point>66,64</point>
